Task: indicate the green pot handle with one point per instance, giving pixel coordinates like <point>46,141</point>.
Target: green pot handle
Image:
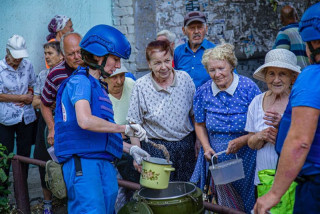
<point>169,169</point>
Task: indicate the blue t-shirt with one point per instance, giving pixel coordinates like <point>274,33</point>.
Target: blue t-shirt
<point>306,92</point>
<point>78,88</point>
<point>186,60</point>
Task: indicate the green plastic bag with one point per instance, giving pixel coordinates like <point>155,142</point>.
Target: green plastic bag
<point>287,201</point>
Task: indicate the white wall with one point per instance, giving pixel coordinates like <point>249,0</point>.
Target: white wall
<point>30,19</point>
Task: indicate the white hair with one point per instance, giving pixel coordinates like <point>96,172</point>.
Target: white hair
<point>168,34</point>
<point>64,36</point>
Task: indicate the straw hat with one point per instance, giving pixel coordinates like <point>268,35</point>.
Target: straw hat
<point>280,58</point>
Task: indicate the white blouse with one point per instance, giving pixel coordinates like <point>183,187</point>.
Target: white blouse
<point>266,156</point>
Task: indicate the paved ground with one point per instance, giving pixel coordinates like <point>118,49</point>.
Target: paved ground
<point>35,194</point>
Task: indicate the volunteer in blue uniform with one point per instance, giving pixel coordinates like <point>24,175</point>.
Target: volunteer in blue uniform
<point>87,139</point>
<point>299,131</point>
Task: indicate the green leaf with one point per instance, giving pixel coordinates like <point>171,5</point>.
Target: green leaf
<point>3,176</point>
<point>10,155</point>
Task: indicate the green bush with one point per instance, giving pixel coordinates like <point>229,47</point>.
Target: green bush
<point>4,180</point>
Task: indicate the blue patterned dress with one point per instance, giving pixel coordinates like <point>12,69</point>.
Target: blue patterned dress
<point>225,118</point>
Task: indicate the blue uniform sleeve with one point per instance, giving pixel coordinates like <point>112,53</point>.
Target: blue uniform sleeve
<point>79,88</point>
<point>306,90</point>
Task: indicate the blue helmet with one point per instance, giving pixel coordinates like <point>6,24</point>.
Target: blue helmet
<point>102,40</point>
<point>309,26</point>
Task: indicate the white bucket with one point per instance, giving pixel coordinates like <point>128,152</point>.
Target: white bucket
<point>227,171</point>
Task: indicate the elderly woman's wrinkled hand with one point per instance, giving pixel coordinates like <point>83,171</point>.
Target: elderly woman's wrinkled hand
<point>268,135</point>
<point>272,118</point>
<point>208,153</point>
<point>137,167</point>
<point>233,147</point>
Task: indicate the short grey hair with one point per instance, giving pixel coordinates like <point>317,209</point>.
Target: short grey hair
<point>168,34</point>
<point>220,52</point>
<point>64,36</point>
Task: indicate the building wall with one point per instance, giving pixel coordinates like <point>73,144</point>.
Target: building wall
<point>30,19</point>
<point>250,25</point>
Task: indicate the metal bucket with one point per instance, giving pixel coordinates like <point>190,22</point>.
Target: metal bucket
<point>227,171</point>
<point>178,198</point>
<point>155,173</point>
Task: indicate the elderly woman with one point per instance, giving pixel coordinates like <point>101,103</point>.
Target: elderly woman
<point>220,108</point>
<point>161,102</point>
<point>58,26</point>
<point>53,57</point>
<point>279,72</point>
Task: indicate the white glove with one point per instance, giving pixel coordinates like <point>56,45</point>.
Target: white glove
<point>137,153</point>
<point>135,130</point>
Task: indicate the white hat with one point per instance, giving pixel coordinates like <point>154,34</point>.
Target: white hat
<point>17,47</point>
<point>280,58</point>
<point>123,69</point>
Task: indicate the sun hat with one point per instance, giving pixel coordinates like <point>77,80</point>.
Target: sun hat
<point>194,16</point>
<point>123,69</point>
<point>17,47</point>
<point>280,58</point>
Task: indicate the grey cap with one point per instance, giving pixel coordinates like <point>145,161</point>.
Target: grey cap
<point>194,16</point>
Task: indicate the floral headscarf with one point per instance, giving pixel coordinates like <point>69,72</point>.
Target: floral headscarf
<point>57,23</point>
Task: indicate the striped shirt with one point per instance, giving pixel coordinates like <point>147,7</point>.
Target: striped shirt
<point>54,79</point>
<point>290,39</point>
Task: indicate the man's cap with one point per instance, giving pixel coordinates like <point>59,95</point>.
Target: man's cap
<point>123,69</point>
<point>194,16</point>
<point>17,47</point>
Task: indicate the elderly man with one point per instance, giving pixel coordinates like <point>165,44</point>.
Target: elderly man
<point>298,137</point>
<point>168,35</point>
<point>187,57</point>
<point>71,50</point>
<point>17,115</point>
<point>289,37</point>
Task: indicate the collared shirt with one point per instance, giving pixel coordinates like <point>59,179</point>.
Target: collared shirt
<point>187,60</point>
<point>54,79</point>
<point>290,39</point>
<point>16,82</point>
<point>41,79</point>
<point>163,113</point>
<point>232,88</point>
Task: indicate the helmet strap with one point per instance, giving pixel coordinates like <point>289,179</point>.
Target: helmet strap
<point>314,53</point>
<point>100,67</point>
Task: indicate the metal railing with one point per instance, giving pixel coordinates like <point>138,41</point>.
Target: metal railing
<point>21,193</point>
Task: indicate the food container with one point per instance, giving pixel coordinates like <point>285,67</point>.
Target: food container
<point>178,198</point>
<point>155,173</point>
<point>227,171</point>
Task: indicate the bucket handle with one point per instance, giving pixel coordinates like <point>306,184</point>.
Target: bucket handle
<point>169,169</point>
<point>219,153</point>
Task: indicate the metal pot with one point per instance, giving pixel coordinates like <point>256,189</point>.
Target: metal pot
<point>155,173</point>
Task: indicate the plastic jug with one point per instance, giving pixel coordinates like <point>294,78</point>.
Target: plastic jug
<point>227,171</point>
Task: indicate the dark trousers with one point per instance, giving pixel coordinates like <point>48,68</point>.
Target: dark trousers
<point>308,196</point>
<point>24,140</point>
<point>40,149</point>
